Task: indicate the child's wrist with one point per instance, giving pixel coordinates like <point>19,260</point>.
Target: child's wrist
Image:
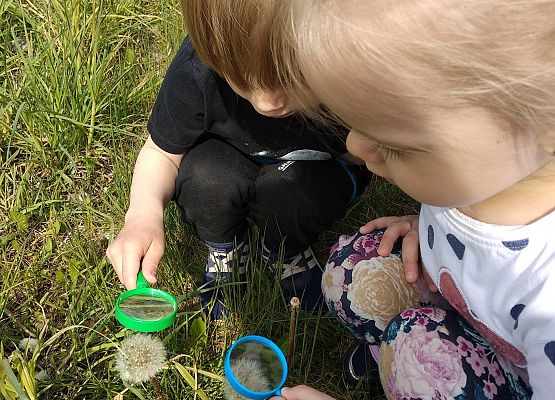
<point>144,212</point>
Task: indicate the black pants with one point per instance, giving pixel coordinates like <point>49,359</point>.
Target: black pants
<point>218,188</point>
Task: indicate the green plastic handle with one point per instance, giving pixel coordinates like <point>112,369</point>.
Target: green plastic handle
<point>141,281</point>
<point>144,290</point>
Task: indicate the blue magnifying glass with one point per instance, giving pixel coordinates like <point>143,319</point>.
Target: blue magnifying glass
<point>255,367</point>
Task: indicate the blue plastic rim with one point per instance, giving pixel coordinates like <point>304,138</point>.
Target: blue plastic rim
<point>243,391</point>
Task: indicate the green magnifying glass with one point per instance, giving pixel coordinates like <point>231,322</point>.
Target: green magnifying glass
<point>146,309</point>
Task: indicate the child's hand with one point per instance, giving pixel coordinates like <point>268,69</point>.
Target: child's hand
<point>142,238</point>
<point>396,227</point>
<point>301,392</point>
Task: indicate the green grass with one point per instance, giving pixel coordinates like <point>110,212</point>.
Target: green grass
<point>77,80</point>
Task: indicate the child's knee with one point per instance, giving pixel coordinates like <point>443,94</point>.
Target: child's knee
<point>319,191</point>
<point>204,188</point>
<point>358,284</point>
<point>214,175</point>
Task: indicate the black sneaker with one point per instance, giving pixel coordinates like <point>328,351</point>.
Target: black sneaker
<point>358,363</point>
<point>223,260</point>
<point>301,276</point>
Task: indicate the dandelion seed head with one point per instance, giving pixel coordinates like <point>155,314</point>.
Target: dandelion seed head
<point>140,358</point>
<point>250,374</point>
<point>28,343</point>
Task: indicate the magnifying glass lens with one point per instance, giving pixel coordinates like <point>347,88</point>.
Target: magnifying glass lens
<point>148,308</point>
<point>256,366</point>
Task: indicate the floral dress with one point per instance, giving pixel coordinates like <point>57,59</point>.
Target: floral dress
<point>427,349</point>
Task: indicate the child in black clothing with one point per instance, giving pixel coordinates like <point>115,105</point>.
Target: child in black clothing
<point>226,146</point>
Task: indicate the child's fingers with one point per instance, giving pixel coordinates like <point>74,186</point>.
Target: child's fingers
<point>116,260</point>
<point>151,261</point>
<point>409,253</point>
<point>303,392</point>
<point>130,265</point>
<point>393,232</point>
<point>378,223</point>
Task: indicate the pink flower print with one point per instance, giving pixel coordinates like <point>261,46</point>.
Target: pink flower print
<point>481,351</point>
<point>342,315</point>
<point>408,313</point>
<point>422,321</point>
<point>344,240</point>
<point>464,346</point>
<point>426,311</point>
<point>477,363</point>
<point>338,307</point>
<point>438,315</point>
<point>393,392</point>
<point>490,390</point>
<point>367,245</point>
<point>424,364</point>
<point>371,341</point>
<point>352,321</point>
<point>354,259</point>
<point>495,372</point>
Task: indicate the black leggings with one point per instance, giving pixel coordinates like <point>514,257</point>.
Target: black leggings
<point>218,188</point>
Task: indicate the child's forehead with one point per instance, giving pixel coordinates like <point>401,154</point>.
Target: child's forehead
<point>441,127</point>
<point>390,65</point>
<point>382,68</point>
<point>359,96</point>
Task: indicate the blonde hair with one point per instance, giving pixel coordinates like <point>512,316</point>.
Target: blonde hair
<point>233,38</point>
<point>379,63</point>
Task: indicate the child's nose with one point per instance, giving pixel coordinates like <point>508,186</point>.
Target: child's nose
<point>362,147</point>
<point>269,101</point>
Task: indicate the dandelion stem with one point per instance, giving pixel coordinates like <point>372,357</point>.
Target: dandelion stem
<point>295,304</point>
<point>157,389</point>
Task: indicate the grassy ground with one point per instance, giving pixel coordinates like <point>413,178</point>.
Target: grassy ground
<point>77,80</point>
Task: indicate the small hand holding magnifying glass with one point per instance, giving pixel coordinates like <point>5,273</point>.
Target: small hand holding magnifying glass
<point>146,309</point>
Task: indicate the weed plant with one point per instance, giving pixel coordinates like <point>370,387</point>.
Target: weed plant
<point>77,80</point>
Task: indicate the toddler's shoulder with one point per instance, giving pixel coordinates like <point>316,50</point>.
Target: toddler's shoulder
<point>187,67</point>
<point>187,53</point>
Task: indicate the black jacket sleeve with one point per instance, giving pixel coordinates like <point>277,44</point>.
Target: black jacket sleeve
<point>177,118</point>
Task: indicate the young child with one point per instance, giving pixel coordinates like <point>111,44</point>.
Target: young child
<point>454,102</point>
<point>226,146</point>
